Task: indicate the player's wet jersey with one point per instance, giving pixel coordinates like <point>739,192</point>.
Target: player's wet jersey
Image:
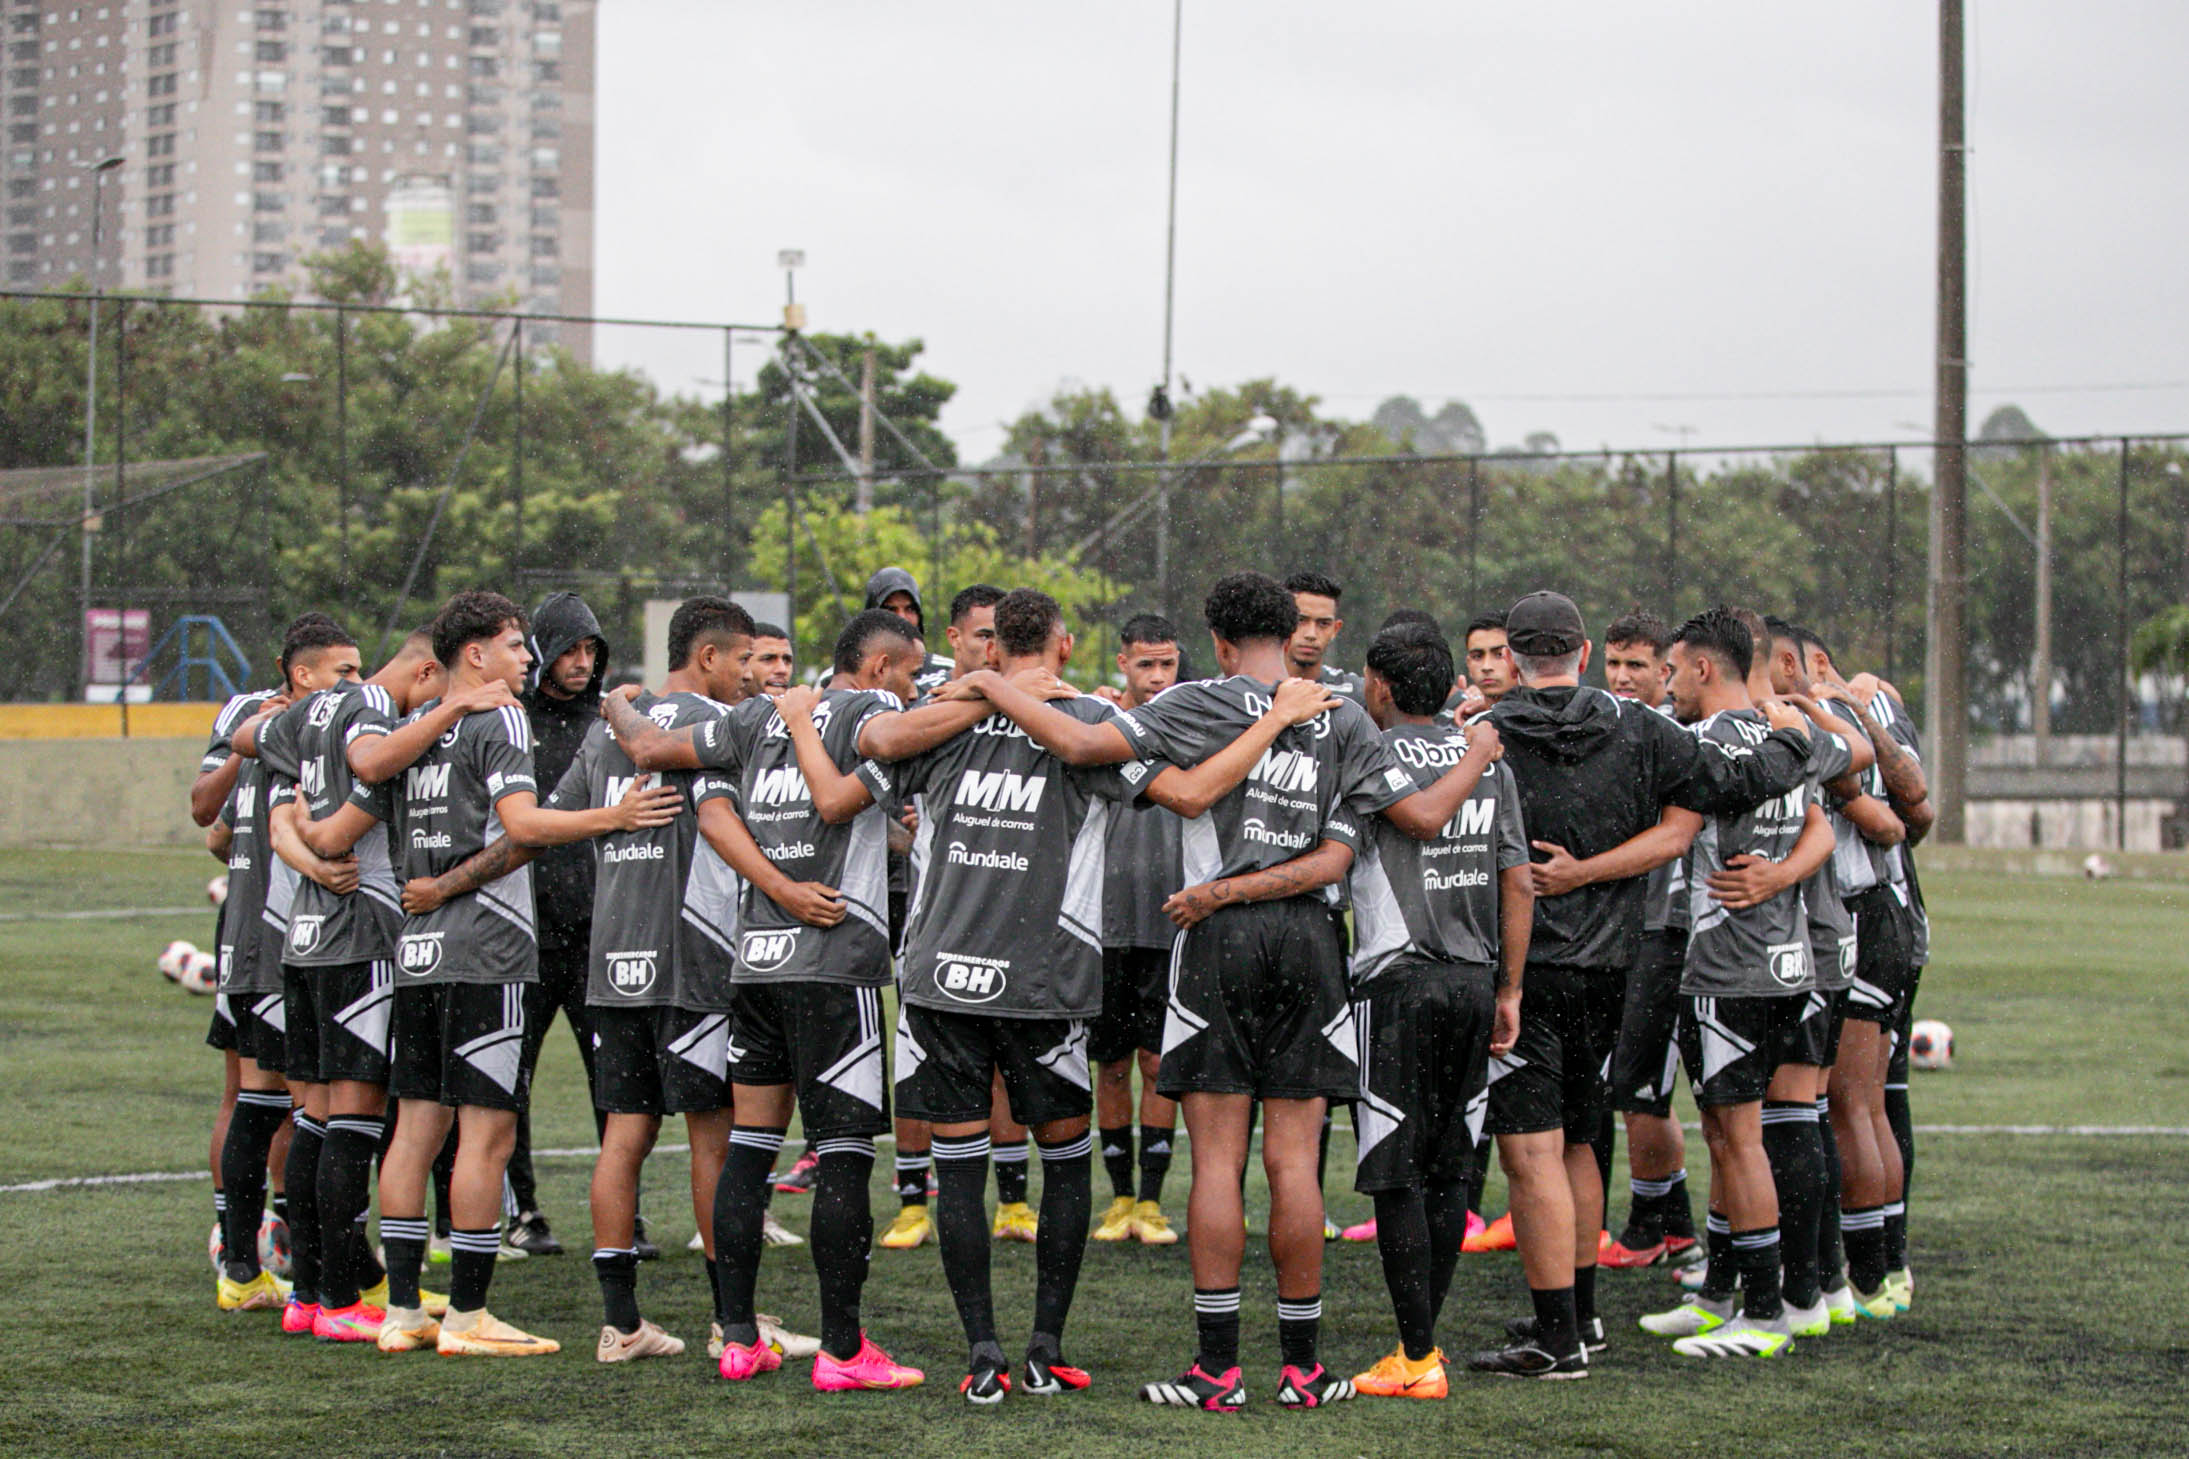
<point>446,814</point>
<point>308,743</point>
<point>1759,951</point>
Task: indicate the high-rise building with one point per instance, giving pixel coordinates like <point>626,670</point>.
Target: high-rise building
<point>253,133</point>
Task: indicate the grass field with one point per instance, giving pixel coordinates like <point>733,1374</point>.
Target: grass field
<point>2050,1315</point>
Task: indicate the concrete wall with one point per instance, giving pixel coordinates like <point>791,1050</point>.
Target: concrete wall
<point>92,792</point>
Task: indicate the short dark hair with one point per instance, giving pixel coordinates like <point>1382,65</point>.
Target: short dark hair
<point>1495,618</point>
<point>1721,634</point>
<point>1246,606</point>
<point>771,630</point>
<point>1321,584</point>
<point>1809,639</point>
<point>705,616</point>
<point>1146,628</point>
<point>980,595</point>
<point>1025,617</point>
<point>1411,615</point>
<point>310,633</point>
<point>1759,638</point>
<point>469,617</point>
<point>1639,625</point>
<point>1416,662</point>
<point>867,628</point>
<point>1779,628</point>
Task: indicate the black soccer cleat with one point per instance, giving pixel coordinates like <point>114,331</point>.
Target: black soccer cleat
<point>1593,1341</point>
<point>1048,1375</point>
<point>1317,1389</point>
<point>643,1248</point>
<point>1195,1388</point>
<point>987,1378</point>
<point>528,1236</point>
<point>1526,1360</point>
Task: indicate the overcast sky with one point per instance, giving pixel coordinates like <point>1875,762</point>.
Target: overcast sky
<point>1601,220</point>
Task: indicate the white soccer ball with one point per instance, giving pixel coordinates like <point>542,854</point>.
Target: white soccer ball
<point>1930,1044</point>
<point>175,956</point>
<point>200,973</point>
<point>216,890</point>
<point>2096,867</point>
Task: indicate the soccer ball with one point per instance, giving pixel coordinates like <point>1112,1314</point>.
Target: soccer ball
<point>2096,867</point>
<point>216,890</point>
<point>177,954</point>
<point>1930,1045</point>
<point>273,1244</point>
<point>199,973</point>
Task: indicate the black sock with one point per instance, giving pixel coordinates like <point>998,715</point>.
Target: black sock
<point>1584,1295</point>
<point>1299,1327</point>
<point>1555,1329</point>
<point>1896,1235</point>
<point>1402,1240</point>
<point>1796,1156</point>
<point>738,1214</point>
<point>1757,1255</point>
<point>1117,1160</point>
<point>1060,1241</point>
<point>1477,1173</point>
<point>1155,1160</point>
<point>1675,1208</point>
<point>1645,1213</point>
<point>1322,1151</point>
<point>1216,1320</point>
<point>1445,1204</point>
<point>961,1230</point>
<point>1902,1121</point>
<point>842,1230</point>
<point>365,1267</point>
<point>1864,1231</point>
<point>1011,1172</point>
<point>714,1288</point>
<point>404,1240</point>
<point>1831,1257</point>
<point>302,1178</point>
<point>345,1189</point>
<point>1602,1144</point>
<point>912,1177</point>
<point>471,1266</point>
<point>251,1130</point>
<point>617,1268</point>
<point>1720,1276</point>
<point>444,1177</point>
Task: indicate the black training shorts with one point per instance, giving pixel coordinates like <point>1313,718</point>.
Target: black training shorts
<point>947,1063</point>
<point>1258,1005</point>
<point>1135,990</point>
<point>460,1044</point>
<point>823,1038</point>
<point>1424,1031</point>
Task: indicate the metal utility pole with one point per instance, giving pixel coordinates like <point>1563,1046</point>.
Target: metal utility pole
<point>99,170</point>
<point>865,500</point>
<point>1945,686</point>
<point>1170,274</point>
<point>2040,698</point>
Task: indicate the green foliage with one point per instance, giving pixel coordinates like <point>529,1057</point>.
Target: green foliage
<point>2161,643</point>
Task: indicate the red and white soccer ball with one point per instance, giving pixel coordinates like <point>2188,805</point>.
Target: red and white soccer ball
<point>173,958</point>
<point>200,974</point>
<point>1930,1044</point>
<point>216,890</point>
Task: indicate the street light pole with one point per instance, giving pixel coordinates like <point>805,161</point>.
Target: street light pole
<point>99,170</point>
<point>1170,271</point>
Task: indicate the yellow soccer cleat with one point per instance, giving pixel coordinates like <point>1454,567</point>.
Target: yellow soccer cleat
<point>1152,1226</point>
<point>483,1335</point>
<point>1117,1221</point>
<point>433,1304</point>
<point>408,1330</point>
<point>1397,1376</point>
<point>263,1293</point>
<point>1015,1221</point>
<point>913,1227</point>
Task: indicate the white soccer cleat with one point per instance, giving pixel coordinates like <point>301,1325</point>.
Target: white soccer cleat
<point>1740,1338</point>
<point>1692,1318</point>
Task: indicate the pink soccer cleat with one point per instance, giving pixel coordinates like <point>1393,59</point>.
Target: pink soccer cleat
<point>1365,1231</point>
<point>869,1368</point>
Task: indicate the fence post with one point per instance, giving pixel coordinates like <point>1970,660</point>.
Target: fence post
<point>1474,530</point>
<point>342,440</point>
<point>1892,563</point>
<point>1672,532</point>
<point>516,468</point>
<point>2127,677</point>
<point>790,508</point>
<point>729,471</point>
<point>121,496</point>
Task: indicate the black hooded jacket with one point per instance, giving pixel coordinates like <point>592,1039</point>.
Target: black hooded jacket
<point>562,876</point>
<point>1595,770</point>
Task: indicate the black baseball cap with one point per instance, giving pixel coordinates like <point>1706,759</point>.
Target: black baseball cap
<point>1545,624</point>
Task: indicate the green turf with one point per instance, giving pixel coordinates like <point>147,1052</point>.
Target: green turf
<point>2049,1316</point>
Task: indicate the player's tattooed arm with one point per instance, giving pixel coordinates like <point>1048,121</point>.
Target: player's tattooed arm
<point>1073,741</point>
<point>1561,872</point>
<point>1515,923</point>
<point>1329,861</point>
<point>649,745</point>
<point>375,758</point>
<point>336,874</point>
<point>1875,820</point>
<point>1749,881</point>
<point>218,836</point>
<point>1905,784</point>
<point>422,894</point>
<point>816,904</point>
<point>1424,814</point>
<point>1191,792</point>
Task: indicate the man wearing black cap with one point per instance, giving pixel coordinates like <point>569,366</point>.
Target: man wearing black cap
<point>1593,771</point>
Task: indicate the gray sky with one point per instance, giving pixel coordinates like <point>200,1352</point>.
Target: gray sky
<point>1562,214</point>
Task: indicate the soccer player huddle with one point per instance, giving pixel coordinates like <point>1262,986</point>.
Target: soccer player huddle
<point>1464,895</point>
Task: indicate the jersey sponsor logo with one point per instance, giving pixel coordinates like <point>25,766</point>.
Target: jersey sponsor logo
<point>766,949</point>
<point>418,953</point>
<point>321,714</point>
<point>1257,830</point>
<point>1261,704</point>
<point>960,854</point>
<point>1398,779</point>
<point>1472,819</point>
<point>422,839</point>
<point>619,786</point>
<point>1789,962</point>
<point>632,973</point>
<point>1133,772</point>
<point>312,776</point>
<point>641,851</point>
<point>246,802</point>
<point>304,933</point>
<point>1429,754</point>
<point>968,979</point>
<point>1788,807</point>
<point>1001,790</point>
<point>448,740</point>
<point>663,714</point>
<point>1286,771</point>
<point>426,782</point>
<point>782,785</point>
<point>1452,881</point>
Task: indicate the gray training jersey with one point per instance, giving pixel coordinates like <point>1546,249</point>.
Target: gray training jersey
<point>239,708</point>
<point>250,958</point>
<point>640,877</point>
<point>448,815</point>
<point>309,743</point>
<point>1665,906</point>
<point>1857,863</point>
<point>1007,919</point>
<point>1762,951</point>
<point>1892,716</point>
<point>1437,897</point>
<point>753,747</point>
<point>1318,779</point>
<point>1142,865</point>
<point>1831,926</point>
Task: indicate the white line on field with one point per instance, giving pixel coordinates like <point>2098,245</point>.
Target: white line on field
<point>99,914</point>
<point>574,1152</point>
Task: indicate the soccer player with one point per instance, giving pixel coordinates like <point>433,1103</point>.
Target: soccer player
<point>1747,1023</point>
<point>893,590</point>
<point>806,1021</point>
<point>1488,674</point>
<point>1442,938</point>
<point>562,701</point>
<point>1258,1005</point>
<point>771,666</point>
<point>1143,867</point>
<point>1593,771</point>
<point>1316,594</point>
